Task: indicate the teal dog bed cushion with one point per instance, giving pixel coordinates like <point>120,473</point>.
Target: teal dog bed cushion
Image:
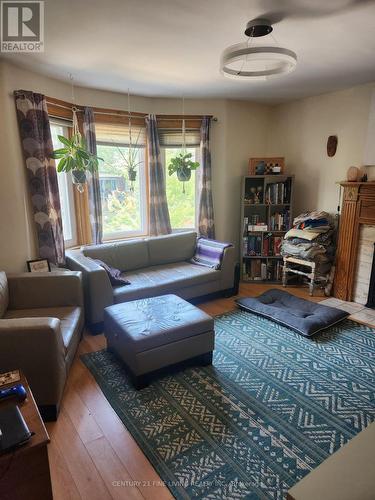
<point>303,316</point>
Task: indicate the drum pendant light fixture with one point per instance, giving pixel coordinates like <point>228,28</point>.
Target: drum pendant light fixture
<point>244,61</point>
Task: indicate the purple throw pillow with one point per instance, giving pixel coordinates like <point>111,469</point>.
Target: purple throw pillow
<point>114,274</point>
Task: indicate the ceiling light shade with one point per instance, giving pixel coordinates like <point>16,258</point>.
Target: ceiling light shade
<point>256,63</point>
<point>251,62</point>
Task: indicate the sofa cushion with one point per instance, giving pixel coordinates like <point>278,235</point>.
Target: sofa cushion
<point>126,255</point>
<point>132,254</point>
<point>171,248</point>
<point>70,318</point>
<point>155,280</point>
<point>4,293</point>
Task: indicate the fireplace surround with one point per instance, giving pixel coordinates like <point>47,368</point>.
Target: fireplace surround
<point>371,288</point>
<point>358,208</point>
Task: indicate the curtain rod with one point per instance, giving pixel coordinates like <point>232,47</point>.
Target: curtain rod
<point>121,113</point>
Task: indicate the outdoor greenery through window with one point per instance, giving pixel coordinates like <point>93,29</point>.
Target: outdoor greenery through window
<point>123,197</point>
<point>182,206</point>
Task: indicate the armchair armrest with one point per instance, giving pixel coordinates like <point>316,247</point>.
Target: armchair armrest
<point>35,346</point>
<point>97,287</point>
<point>55,289</point>
<point>227,268</point>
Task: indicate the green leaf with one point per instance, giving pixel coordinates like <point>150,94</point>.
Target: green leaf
<point>64,140</point>
<point>61,165</point>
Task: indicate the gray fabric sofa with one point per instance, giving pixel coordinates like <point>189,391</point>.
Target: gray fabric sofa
<point>154,266</point>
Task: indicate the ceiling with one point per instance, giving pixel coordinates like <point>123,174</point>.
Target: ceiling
<point>172,48</point>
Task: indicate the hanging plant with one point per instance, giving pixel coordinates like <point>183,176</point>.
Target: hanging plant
<point>182,165</point>
<point>75,158</point>
<point>130,158</point>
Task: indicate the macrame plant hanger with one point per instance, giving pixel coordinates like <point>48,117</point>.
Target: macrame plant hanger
<point>78,182</point>
<point>131,152</point>
<point>183,136</point>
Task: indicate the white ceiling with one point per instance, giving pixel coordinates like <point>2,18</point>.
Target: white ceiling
<point>172,47</point>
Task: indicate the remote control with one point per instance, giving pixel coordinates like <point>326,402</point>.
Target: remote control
<point>17,391</point>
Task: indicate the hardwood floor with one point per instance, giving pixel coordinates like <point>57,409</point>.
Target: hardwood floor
<point>92,455</point>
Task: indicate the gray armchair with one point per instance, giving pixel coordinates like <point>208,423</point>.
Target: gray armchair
<point>41,321</point>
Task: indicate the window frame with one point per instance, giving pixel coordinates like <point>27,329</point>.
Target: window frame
<point>68,188</point>
<point>61,110</point>
<point>121,235</point>
<point>197,173</point>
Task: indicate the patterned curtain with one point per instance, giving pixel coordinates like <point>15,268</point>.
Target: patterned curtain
<point>206,209</point>
<point>95,205</point>
<point>159,214</point>
<point>36,142</point>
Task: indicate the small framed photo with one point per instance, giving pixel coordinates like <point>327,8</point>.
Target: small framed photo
<point>38,266</point>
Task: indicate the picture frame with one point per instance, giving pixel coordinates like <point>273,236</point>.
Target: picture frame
<point>39,266</point>
<point>269,163</point>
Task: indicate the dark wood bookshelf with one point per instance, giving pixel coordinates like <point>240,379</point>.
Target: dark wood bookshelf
<point>259,209</point>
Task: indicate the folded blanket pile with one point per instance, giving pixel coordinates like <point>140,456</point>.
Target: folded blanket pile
<point>311,238</point>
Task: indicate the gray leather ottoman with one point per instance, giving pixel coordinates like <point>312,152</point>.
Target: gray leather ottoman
<point>151,334</point>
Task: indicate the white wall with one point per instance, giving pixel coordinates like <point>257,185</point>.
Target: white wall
<point>239,133</point>
<point>299,130</point>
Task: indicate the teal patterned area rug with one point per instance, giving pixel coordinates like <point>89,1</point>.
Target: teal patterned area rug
<point>272,407</point>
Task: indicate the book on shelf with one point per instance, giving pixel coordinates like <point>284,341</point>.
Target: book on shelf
<point>278,193</point>
<point>279,221</point>
<point>254,245</point>
<point>258,270</point>
<point>272,245</point>
<point>257,227</point>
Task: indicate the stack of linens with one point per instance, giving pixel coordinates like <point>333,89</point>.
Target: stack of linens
<point>311,238</point>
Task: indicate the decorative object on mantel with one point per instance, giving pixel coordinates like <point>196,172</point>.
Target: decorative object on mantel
<point>352,174</point>
<point>332,145</point>
<point>266,166</point>
<point>362,174</point>
<point>182,164</point>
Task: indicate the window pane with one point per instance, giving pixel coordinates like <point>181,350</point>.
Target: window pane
<point>65,188</point>
<point>181,205</point>
<point>123,202</point>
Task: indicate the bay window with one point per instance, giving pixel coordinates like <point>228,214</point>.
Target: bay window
<point>123,193</point>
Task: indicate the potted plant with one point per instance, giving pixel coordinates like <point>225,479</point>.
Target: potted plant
<point>75,158</point>
<point>183,165</point>
<point>131,161</point>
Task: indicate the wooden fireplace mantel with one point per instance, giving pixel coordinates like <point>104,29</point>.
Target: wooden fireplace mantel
<point>358,207</point>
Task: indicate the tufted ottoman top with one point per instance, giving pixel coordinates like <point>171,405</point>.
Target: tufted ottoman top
<point>156,321</point>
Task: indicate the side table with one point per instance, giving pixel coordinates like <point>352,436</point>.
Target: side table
<point>24,472</point>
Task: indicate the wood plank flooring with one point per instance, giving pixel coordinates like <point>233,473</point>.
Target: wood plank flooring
<point>92,455</point>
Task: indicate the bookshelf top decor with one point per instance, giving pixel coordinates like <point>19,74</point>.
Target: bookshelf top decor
<point>266,166</point>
